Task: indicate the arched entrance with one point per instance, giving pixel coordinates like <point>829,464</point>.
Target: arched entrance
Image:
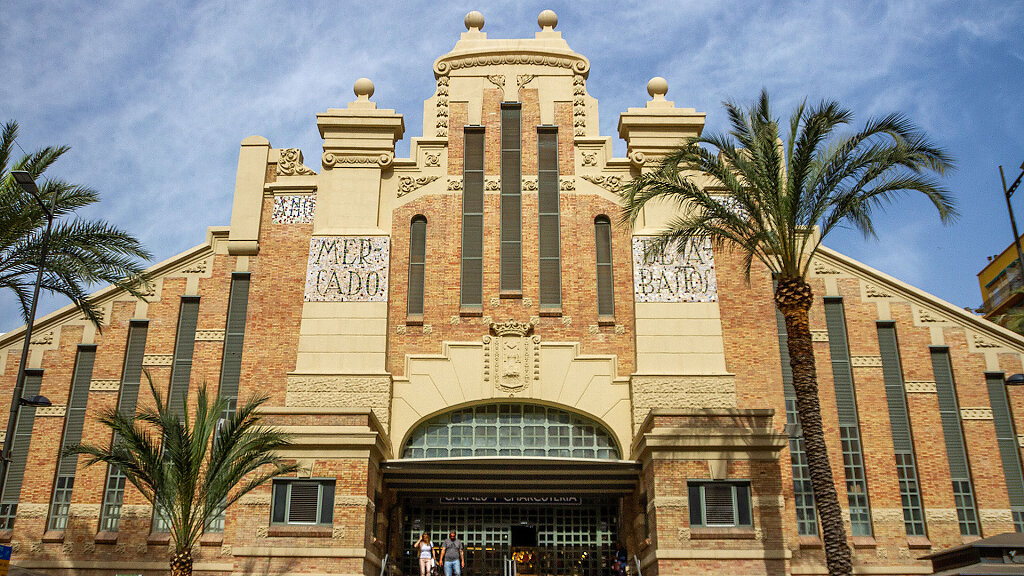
<point>537,484</point>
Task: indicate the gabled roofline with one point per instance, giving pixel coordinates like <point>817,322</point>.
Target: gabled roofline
<point>214,235</point>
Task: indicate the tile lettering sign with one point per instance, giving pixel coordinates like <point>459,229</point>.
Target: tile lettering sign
<point>686,275</point>
<point>347,269</point>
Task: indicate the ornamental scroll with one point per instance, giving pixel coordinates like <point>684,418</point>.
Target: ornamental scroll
<point>347,269</point>
<point>686,275</point>
<point>511,358</point>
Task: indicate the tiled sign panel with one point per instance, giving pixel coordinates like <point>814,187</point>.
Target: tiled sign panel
<point>347,269</point>
<point>294,209</point>
<point>686,275</point>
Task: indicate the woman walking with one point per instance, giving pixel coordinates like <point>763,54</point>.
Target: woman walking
<point>425,548</point>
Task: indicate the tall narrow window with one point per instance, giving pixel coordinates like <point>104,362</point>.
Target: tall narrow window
<point>73,423</point>
<point>471,291</point>
<point>956,452</point>
<point>1006,437</point>
<point>231,366</point>
<point>181,371</point>
<point>849,429</point>
<point>417,264</point>
<point>113,494</point>
<point>511,266</point>
<point>605,291</point>
<point>19,452</point>
<point>803,492</point>
<point>899,423</point>
<point>550,275</point>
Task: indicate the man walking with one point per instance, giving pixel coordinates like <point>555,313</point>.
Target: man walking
<point>453,555</point>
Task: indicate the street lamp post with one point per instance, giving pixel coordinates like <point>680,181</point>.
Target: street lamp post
<point>27,183</point>
<point>1008,192</point>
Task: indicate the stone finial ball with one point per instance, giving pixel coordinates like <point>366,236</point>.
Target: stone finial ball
<point>547,19</point>
<point>658,86</point>
<point>474,20</point>
<point>363,87</point>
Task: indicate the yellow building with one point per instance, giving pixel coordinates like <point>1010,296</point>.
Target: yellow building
<point>1000,282</point>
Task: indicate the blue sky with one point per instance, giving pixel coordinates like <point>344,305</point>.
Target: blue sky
<point>154,98</point>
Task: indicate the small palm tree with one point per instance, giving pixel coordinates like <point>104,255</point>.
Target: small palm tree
<point>81,252</point>
<point>751,191</point>
<point>191,468</point>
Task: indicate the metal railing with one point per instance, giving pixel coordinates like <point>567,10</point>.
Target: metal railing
<point>1003,293</point>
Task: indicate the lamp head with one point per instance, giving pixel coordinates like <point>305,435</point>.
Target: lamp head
<point>1015,380</point>
<point>36,401</point>
<point>25,180</point>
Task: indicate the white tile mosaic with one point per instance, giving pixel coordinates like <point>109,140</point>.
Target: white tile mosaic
<point>294,209</point>
<point>347,269</point>
<point>674,276</point>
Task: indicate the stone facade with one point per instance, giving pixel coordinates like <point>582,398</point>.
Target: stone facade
<point>686,377</point>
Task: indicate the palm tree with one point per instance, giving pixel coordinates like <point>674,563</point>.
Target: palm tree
<point>191,468</point>
<point>751,191</point>
<point>81,252</point>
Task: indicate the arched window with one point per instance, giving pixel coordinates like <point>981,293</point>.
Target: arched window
<point>417,264</point>
<point>605,287</point>
<point>510,429</point>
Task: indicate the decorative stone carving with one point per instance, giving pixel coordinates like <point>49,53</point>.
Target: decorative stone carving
<point>893,515</point>
<point>136,511</point>
<point>262,531</point>
<point>881,552</point>
<point>454,184</point>
<point>579,105</point>
<point>527,302</point>
<point>610,183</point>
<point>157,359</point>
<point>919,387</point>
<point>347,269</point>
<point>141,548</point>
<point>498,80</point>
<point>37,547</point>
<point>530,184</point>
<point>577,64</point>
<point>996,515</point>
<point>874,292</point>
<point>431,159</point>
<point>338,532</point>
<point>511,358</point>
<point>225,550</point>
<point>975,413</point>
<point>566,320</point>
<point>819,335</point>
<point>407,184</point>
<point>524,79</point>
<point>28,510</point>
<point>56,410</point>
<point>926,316</point>
<point>42,339</point>
<point>486,320</point>
<point>534,320</point>
<point>620,329</point>
<point>343,391</point>
<point>255,500</point>
<point>683,534</point>
<point>686,275</point>
<point>16,547</point>
<point>210,335</point>
<point>401,329</point>
<point>89,547</point>
<point>342,500</point>
<point>290,163</point>
<point>594,329</point>
<point>455,319</point>
<point>330,159</point>
<point>428,328</point>
<point>589,158</point>
<point>1020,440</point>
<point>492,185</point>
<point>866,361</point>
<point>105,385</point>
<point>822,269</point>
<point>294,209</point>
<point>566,184</point>
<point>980,342</point>
<point>650,392</point>
<point>637,158</point>
<point>120,548</point>
<point>495,301</point>
<point>197,267</point>
<point>441,107</point>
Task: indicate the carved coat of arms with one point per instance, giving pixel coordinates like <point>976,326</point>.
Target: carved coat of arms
<point>511,356</point>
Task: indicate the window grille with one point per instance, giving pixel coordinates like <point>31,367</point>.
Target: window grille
<point>302,501</point>
<point>511,261</point>
<point>719,504</point>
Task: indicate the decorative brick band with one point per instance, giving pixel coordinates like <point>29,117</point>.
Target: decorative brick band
<point>975,413</point>
<point>209,335</point>
<point>111,385</point>
<point>255,500</point>
<point>56,410</point>
<point>84,510</point>
<point>941,514</point>
<point>819,335</point>
<point>920,387</point>
<point>866,361</point>
<point>158,359</point>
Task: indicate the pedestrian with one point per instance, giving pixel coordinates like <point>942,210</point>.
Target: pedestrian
<point>425,549</point>
<point>453,555</point>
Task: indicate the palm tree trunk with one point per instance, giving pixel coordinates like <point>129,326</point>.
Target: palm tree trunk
<point>181,564</point>
<point>793,297</point>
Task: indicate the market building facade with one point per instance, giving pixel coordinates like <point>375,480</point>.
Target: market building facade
<point>468,339</point>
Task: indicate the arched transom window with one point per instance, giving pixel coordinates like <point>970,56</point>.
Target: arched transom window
<point>511,430</point>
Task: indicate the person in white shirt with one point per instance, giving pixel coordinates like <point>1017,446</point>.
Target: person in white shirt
<point>425,549</point>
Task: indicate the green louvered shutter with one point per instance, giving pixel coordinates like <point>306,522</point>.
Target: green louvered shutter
<point>234,336</point>
<point>511,259</point>
<point>471,290</point>
<point>19,451</point>
<point>605,285</point>
<point>417,265</point>
<point>549,248</point>
<point>181,368</point>
<point>1006,437</point>
<point>956,452</point>
<point>74,419</point>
